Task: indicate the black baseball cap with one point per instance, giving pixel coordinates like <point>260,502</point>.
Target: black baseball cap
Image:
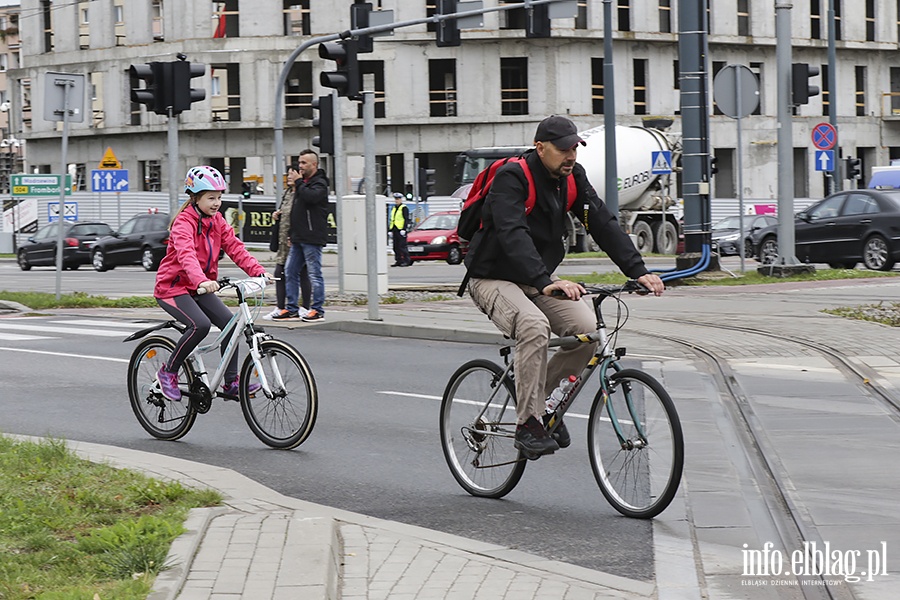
<point>559,131</point>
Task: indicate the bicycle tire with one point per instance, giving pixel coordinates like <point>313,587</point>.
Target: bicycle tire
<point>160,417</point>
<point>639,477</point>
<point>487,466</point>
<point>286,419</point>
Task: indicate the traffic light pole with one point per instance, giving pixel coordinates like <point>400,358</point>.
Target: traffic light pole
<point>63,169</point>
<point>371,209</point>
<point>173,163</point>
<point>837,183</point>
<point>339,172</point>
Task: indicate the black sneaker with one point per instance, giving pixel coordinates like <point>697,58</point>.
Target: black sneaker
<point>560,434</point>
<point>286,315</point>
<point>313,316</point>
<point>533,441</point>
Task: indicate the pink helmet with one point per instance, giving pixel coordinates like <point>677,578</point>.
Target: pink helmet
<point>203,178</point>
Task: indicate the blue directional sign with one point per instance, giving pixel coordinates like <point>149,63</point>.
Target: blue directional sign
<point>662,162</point>
<point>824,160</point>
<point>109,180</point>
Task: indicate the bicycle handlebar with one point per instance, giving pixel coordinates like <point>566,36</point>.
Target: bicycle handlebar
<point>631,286</point>
<point>227,282</point>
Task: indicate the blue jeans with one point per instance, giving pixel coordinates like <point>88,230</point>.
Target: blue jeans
<point>311,255</point>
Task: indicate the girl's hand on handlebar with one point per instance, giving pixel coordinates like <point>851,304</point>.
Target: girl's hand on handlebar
<point>652,282</point>
<point>269,277</point>
<point>562,287</point>
<point>208,287</point>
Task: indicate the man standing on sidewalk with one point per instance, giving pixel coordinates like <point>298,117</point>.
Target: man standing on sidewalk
<point>399,223</point>
<point>309,234</point>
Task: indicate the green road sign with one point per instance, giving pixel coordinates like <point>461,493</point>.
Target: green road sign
<point>39,185</point>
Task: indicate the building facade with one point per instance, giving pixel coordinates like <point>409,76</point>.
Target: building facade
<point>432,103</point>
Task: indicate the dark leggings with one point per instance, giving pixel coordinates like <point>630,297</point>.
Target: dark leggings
<point>305,286</point>
<point>198,313</point>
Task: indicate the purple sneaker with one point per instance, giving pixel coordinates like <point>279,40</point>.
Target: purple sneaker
<point>231,391</point>
<point>168,384</point>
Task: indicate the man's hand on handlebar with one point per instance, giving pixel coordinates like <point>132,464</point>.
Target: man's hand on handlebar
<point>562,287</point>
<point>652,282</point>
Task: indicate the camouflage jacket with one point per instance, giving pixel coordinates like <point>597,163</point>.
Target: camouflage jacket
<point>284,226</point>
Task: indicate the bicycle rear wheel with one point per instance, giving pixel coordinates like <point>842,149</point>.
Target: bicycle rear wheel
<point>478,427</point>
<point>159,416</point>
<point>284,418</point>
<point>639,473</point>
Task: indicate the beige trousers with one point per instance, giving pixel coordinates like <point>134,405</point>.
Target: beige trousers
<point>527,316</point>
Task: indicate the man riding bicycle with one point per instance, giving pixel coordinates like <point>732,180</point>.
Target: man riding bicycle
<point>511,261</point>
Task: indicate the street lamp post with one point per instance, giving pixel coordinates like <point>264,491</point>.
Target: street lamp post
<point>9,163</point>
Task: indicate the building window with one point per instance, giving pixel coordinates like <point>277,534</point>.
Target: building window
<point>511,19</point>
<point>430,9</point>
<point>815,19</point>
<point>296,17</point>
<point>581,17</point>
<point>826,91</point>
<point>757,68</point>
<point>227,106</point>
<point>514,86</point>
<point>895,91</point>
<point>743,17</point>
<point>4,62</point>
<point>225,19</point>
<point>84,16</point>
<point>373,80</point>
<point>47,21</point>
<point>156,16</point>
<point>870,20</point>
<point>442,87</point>
<point>640,86</point>
<point>837,20</point>
<point>623,12</point>
<point>860,91</point>
<point>120,14</point>
<point>724,179</point>
<point>597,86</point>
<point>298,91</point>
<point>215,87</point>
<point>677,74</point>
<point>665,16</point>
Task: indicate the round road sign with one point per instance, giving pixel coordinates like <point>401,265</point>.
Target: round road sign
<point>824,136</point>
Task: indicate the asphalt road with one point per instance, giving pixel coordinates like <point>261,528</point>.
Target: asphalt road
<point>375,448</point>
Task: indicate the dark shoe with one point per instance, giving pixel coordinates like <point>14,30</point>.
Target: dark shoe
<point>396,265</point>
<point>561,434</point>
<point>532,439</point>
<point>286,315</point>
<point>313,316</point>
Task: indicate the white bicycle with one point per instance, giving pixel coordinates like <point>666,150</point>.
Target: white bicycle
<point>281,413</point>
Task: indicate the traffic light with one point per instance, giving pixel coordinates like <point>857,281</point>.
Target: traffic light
<point>325,122</point>
<point>801,89</point>
<point>854,168</point>
<point>448,29</point>
<point>713,165</point>
<point>359,19</point>
<point>347,79</point>
<point>155,78</point>
<point>409,191</point>
<point>537,21</point>
<point>426,183</point>
<point>183,95</point>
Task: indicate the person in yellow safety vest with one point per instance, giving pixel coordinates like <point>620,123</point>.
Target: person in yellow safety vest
<point>399,223</point>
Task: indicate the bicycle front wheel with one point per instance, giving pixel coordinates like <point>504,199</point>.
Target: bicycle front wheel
<point>284,417</point>
<point>635,444</point>
<point>478,428</point>
<point>159,416</point>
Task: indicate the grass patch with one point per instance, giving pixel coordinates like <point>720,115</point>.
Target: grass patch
<point>748,278</point>
<point>73,529</point>
<point>44,300</point>
<point>886,313</point>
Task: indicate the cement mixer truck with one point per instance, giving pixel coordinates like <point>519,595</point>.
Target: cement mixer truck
<point>647,209</point>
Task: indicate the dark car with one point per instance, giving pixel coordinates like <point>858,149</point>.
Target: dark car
<point>842,230</point>
<point>141,240</point>
<point>78,238</point>
<point>726,237</point>
<point>436,238</point>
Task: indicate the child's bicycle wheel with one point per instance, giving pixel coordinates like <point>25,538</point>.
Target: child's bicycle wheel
<point>635,444</point>
<point>160,417</point>
<point>477,436</point>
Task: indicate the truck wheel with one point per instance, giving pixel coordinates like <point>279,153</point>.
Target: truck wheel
<point>644,237</point>
<point>666,237</point>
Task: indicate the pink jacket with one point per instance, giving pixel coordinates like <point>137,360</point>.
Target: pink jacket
<point>193,253</point>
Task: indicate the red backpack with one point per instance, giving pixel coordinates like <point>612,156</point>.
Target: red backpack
<point>470,215</point>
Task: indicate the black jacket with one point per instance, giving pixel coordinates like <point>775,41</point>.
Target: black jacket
<point>527,249</point>
<point>309,214</point>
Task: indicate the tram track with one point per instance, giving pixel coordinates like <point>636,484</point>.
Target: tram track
<point>780,513</point>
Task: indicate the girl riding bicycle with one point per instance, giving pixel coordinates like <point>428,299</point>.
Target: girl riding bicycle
<point>191,264</point>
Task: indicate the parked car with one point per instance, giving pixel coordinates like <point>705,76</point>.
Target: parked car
<point>78,238</point>
<point>436,238</point>
<point>726,233</point>
<point>141,240</point>
<point>842,230</point>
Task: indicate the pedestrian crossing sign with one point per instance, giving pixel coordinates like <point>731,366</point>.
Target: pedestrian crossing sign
<point>662,162</point>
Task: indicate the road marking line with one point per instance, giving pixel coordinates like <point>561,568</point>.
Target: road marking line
<point>95,323</point>
<point>17,337</point>
<point>75,330</point>
<point>67,354</point>
<point>472,402</point>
